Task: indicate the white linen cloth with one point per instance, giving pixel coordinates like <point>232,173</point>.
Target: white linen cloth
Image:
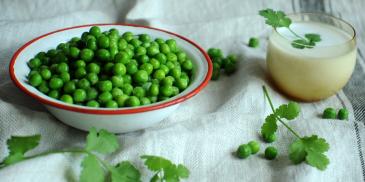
<point>205,130</point>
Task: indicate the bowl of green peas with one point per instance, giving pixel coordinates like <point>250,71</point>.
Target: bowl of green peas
<point>117,77</point>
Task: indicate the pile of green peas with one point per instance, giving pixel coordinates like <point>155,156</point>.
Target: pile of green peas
<point>228,64</point>
<point>106,69</point>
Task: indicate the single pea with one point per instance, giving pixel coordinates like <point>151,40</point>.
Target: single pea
<point>154,43</point>
<point>34,63</point>
<point>253,42</point>
<point>161,57</point>
<point>147,67</point>
<point>113,51</point>
<point>169,80</point>
<point>46,74</point>
<point>79,95</point>
<point>79,64</point>
<point>181,56</point>
<point>54,94</point>
<point>91,44</point>
<point>122,57</point>
<point>95,31</point>
<point>32,72</point>
<point>232,57</point>
<point>103,55</point>
<point>187,65</point>
<point>164,48</point>
<point>116,92</point>
<point>83,84</point>
<point>218,61</point>
<point>62,67</point>
<point>141,76</point>
<point>127,79</point>
<point>132,68</point>
<point>165,68</point>
<point>127,36</point>
<point>181,83</point>
<point>130,52</point>
<point>105,97</point>
<point>59,58</point>
<point>243,151</point>
<point>269,138</point>
<point>93,68</point>
<point>74,52</point>
<point>114,32</point>
<point>111,104</point>
<point>155,63</point>
<point>46,61</point>
<point>171,57</point>
<point>175,72</point>
<point>153,99</point>
<point>122,44</point>
<point>343,114</point>
<point>52,53</point>
<point>132,101</point>
<point>55,83</point>
<point>146,44</point>
<point>172,44</point>
<point>153,50</point>
<point>88,37</point>
<point>154,90</point>
<point>65,76</point>
<point>166,90</point>
<point>215,53</point>
<point>69,87</point>
<point>255,146</point>
<point>135,42</point>
<point>80,73</point>
<point>271,153</point>
<point>86,54</point>
<point>329,113</point>
<point>127,89</point>
<point>119,69</point>
<point>145,101</point>
<point>105,86</point>
<point>93,103</point>
<point>140,51</point>
<point>43,87</point>
<point>91,93</point>
<point>92,78</point>
<point>143,59</point>
<point>159,41</point>
<point>103,41</point>
<point>216,71</point>
<point>67,98</point>
<point>175,91</point>
<point>117,81</point>
<point>108,67</point>
<point>144,38</point>
<point>121,100</point>
<point>230,68</point>
<point>139,92</point>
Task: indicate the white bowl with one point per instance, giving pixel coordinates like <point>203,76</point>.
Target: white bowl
<point>119,120</point>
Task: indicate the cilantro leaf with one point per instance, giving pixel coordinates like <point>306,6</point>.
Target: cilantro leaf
<point>18,146</point>
<point>91,170</point>
<point>275,18</point>
<point>312,37</point>
<point>270,126</point>
<point>155,163</point>
<point>155,178</point>
<point>183,172</point>
<point>288,111</point>
<point>300,44</point>
<point>103,141</point>
<point>311,150</point>
<point>125,172</point>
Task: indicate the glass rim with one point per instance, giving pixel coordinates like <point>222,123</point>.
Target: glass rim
<point>353,36</point>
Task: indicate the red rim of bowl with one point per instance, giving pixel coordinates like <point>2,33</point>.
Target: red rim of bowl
<point>115,111</point>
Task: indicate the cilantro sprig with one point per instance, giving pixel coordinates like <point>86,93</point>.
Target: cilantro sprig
<point>310,149</point>
<point>278,19</point>
<point>95,169</point>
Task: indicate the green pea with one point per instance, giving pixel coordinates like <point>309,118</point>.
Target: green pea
<point>255,146</point>
<point>65,76</point>
<point>181,57</point>
<point>166,90</point>
<point>271,153</point>
<point>83,84</point>
<point>91,44</point>
<point>164,48</point>
<point>113,51</point>
<point>103,54</point>
<point>187,65</point>
<point>108,67</point>
<point>216,71</point>
<point>127,89</point>
<point>132,68</point>
<point>74,52</point>
<point>171,57</point>
<point>60,58</point>
<point>159,41</point>
<point>92,78</point>
<point>146,44</point>
<point>141,76</point>
<point>181,83</point>
<point>105,86</point>
<point>103,41</point>
<point>122,44</point>
<point>86,54</point>
<point>343,114</point>
<point>55,83</point>
<point>79,64</point>
<point>130,52</point>
<point>153,50</point>
<point>170,65</point>
<point>93,103</point>
<point>161,57</point>
<point>43,87</point>
<point>154,90</point>
<point>147,67</point>
<point>139,92</point>
<point>62,67</point>
<point>135,42</point>
<point>172,45</point>
<point>243,151</point>
<point>169,80</point>
<point>34,63</point>
<point>153,99</point>
<point>165,68</point>
<point>128,36</point>
<point>119,69</point>
<point>145,101</point>
<point>144,38</point>
<point>175,72</point>
<point>122,57</point>
<point>46,74</point>
<point>132,101</point>
<point>117,81</point>
<point>215,53</point>
<point>104,97</point>
<point>111,104</point>
<point>95,31</point>
<point>54,94</point>
<point>93,68</point>
<point>269,138</point>
<point>140,51</point>
<point>52,53</point>
<point>253,42</point>
<point>79,95</point>
<point>91,93</point>
<point>155,63</point>
<point>175,91</point>
<point>116,92</point>
<point>143,59</point>
<point>121,99</point>
<point>329,113</point>
<point>80,73</point>
<point>67,98</point>
<point>127,79</point>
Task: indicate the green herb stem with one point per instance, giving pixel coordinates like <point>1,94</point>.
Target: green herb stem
<point>273,110</point>
<point>295,34</point>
